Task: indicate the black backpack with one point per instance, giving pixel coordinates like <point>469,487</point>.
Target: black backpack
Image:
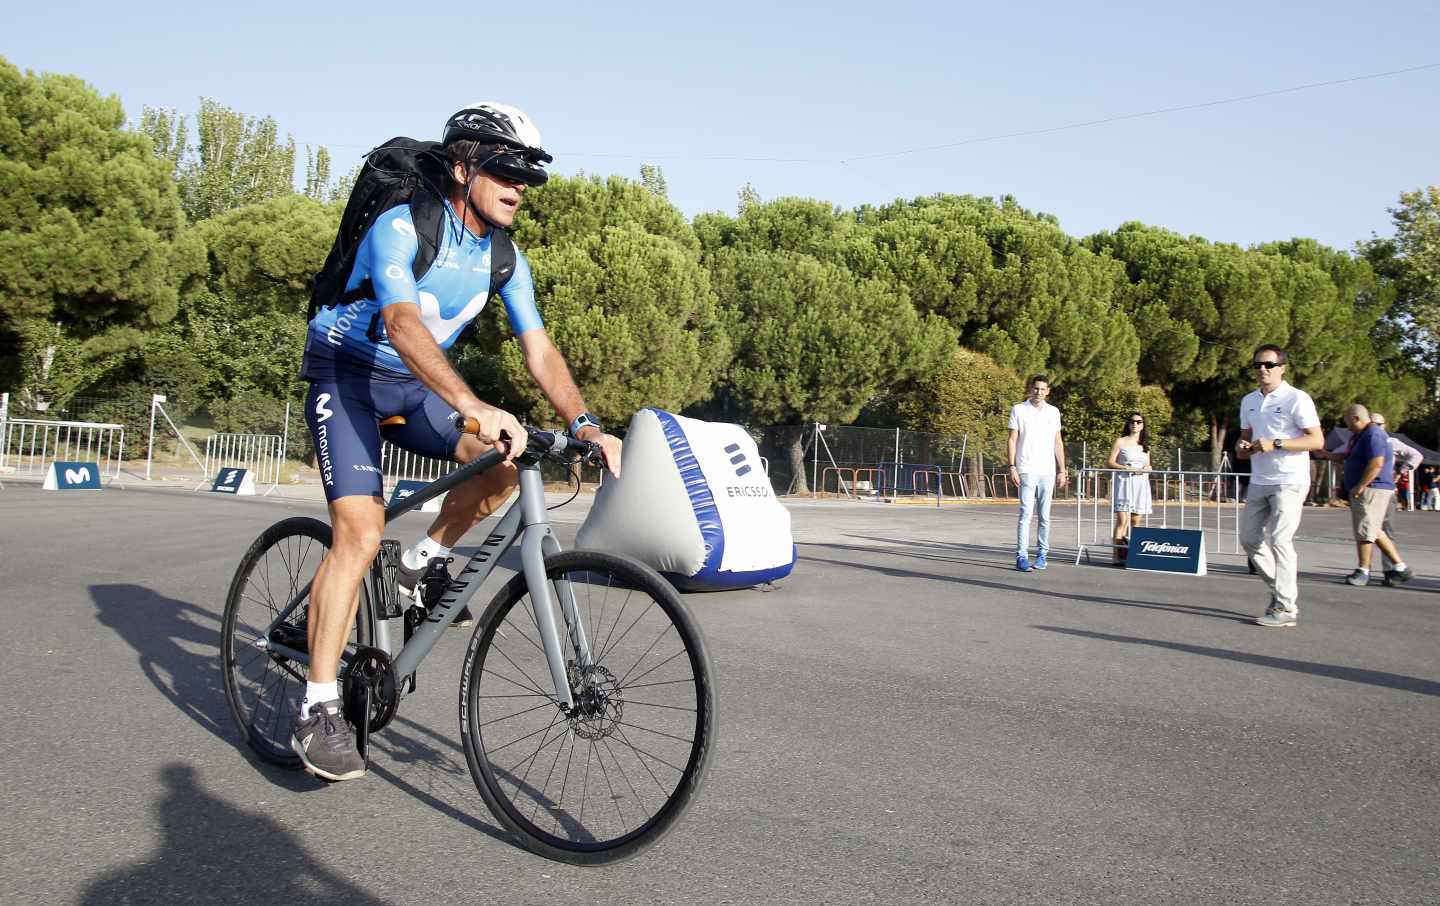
<point>401,171</point>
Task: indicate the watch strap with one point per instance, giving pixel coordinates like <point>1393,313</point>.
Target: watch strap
<point>584,419</point>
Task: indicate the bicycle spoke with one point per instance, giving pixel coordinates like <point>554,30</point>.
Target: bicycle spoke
<point>517,714</point>
<point>576,779</point>
<point>648,754</point>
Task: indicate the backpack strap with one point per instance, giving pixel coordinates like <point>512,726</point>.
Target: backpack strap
<point>502,258</point>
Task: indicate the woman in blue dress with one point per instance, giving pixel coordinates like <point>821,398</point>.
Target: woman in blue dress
<point>1130,487</point>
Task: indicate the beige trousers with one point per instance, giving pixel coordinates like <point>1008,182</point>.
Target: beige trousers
<point>1267,532</point>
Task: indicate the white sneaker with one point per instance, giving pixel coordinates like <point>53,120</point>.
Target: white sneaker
<point>1275,618</point>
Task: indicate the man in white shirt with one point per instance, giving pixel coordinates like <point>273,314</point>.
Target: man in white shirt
<point>1036,454</point>
<point>1278,429</point>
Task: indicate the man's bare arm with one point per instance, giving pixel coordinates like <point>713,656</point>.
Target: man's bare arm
<point>547,366</point>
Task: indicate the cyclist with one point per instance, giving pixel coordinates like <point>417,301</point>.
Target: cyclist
<point>384,356</point>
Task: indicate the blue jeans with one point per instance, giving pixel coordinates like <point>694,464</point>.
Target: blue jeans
<point>1035,491</point>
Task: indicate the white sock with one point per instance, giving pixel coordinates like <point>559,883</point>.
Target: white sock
<point>1362,570</point>
<point>423,551</point>
<point>1398,567</point>
<point>315,693</point>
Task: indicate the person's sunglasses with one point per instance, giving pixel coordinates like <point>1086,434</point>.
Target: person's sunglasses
<point>1266,365</point>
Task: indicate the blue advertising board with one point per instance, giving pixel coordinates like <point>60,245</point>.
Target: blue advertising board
<point>405,487</point>
<point>73,476</point>
<point>234,481</point>
<point>1167,551</point>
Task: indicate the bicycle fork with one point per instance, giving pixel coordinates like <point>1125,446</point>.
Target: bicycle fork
<point>536,542</point>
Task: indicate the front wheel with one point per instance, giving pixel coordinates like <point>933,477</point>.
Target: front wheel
<point>605,779</point>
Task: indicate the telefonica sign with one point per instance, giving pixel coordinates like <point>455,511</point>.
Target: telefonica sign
<point>1165,548</point>
<point>1167,551</point>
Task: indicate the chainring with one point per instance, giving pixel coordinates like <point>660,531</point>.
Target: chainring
<point>370,667</point>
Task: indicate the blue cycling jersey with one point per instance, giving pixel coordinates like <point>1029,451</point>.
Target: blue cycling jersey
<point>349,341</point>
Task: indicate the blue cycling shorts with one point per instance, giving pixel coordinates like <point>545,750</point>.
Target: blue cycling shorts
<point>344,419</point>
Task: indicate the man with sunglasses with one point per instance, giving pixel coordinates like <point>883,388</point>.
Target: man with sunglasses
<point>1278,428</point>
<point>380,358</point>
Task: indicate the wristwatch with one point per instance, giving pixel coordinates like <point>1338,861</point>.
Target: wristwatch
<point>1279,443</point>
<point>585,419</point>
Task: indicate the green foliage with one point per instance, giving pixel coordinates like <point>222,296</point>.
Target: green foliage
<point>247,321</point>
<point>1011,283</point>
<point>1409,265</point>
<point>576,209</point>
<point>317,174</point>
<point>237,161</point>
<point>1096,416</point>
<point>968,395</point>
<point>249,412</point>
<point>635,317</point>
<point>813,342</point>
<point>91,231</point>
<point>654,181</point>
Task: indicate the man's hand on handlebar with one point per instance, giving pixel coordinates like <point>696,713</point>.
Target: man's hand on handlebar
<point>609,446</point>
<point>495,427</point>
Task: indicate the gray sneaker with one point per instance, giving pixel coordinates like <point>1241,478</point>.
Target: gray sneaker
<point>1396,576</point>
<point>1275,618</point>
<point>326,743</point>
<point>1358,578</point>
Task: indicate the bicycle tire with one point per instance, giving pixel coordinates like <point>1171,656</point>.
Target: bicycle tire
<point>505,668</point>
<point>276,566</point>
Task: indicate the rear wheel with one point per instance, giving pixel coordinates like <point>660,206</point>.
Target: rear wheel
<point>605,779</point>
<point>261,686</point>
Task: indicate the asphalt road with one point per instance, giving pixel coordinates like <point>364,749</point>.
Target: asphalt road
<point>904,720</point>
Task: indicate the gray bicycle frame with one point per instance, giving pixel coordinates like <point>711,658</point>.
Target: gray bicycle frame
<point>525,520</point>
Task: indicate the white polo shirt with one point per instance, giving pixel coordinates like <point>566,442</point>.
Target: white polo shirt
<point>1285,413</point>
<point>1035,445</point>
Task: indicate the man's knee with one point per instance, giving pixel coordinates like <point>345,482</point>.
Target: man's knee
<point>357,529</point>
<point>361,542</point>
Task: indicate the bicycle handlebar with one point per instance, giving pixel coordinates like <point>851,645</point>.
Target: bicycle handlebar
<point>543,443</point>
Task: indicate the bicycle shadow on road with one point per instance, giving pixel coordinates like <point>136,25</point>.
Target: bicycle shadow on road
<point>213,852</point>
<point>178,644</point>
<point>1350,674</point>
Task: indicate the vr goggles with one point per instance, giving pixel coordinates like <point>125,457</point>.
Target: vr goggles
<point>525,165</point>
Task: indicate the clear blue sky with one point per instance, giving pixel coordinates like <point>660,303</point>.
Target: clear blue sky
<point>708,90</point>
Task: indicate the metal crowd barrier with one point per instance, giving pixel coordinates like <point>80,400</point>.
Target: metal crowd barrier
<point>1205,501</point>
<point>262,454</point>
<point>28,446</point>
<point>402,465</point>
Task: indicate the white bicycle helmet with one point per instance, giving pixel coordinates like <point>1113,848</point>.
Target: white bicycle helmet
<point>521,157</point>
